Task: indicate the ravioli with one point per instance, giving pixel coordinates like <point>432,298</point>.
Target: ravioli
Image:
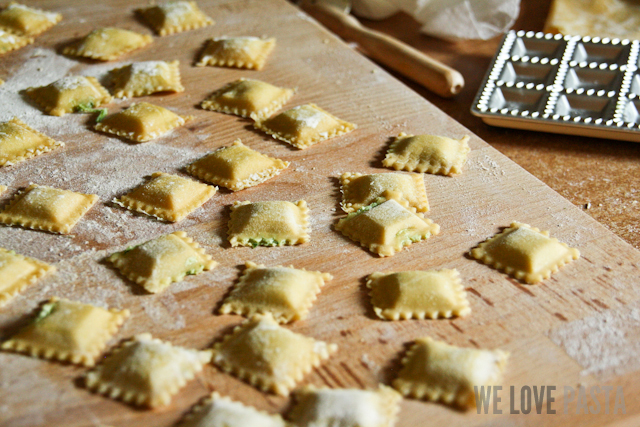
<point>107,44</point>
<point>236,52</point>
<point>27,21</point>
<point>70,94</point>
<point>175,17</point>
<point>17,272</point>
<point>360,190</point>
<point>141,122</point>
<point>20,142</point>
<point>146,78</point>
<point>10,41</point>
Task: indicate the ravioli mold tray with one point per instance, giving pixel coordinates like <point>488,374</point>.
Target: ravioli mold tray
<point>557,83</point>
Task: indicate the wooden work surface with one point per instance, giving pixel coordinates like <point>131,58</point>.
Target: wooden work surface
<point>580,327</point>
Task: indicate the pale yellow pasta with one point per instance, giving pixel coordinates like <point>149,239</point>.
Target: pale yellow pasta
<point>167,197</point>
<point>146,371</point>
<point>386,228</point>
<point>525,253</point>
<point>248,98</point>
<point>427,154</point>
<point>45,208</point>
<point>145,78</point>
<point>236,167</point>
<point>236,52</point>
<point>27,21</point>
<point>220,411</point>
<point>272,223</point>
<point>285,292</point>
<point>19,142</point>
<point>10,41</point>
<point>70,94</point>
<point>68,331</point>
<point>107,44</point>
<point>418,294</point>
<point>360,190</point>
<point>175,17</point>
<point>269,356</point>
<point>17,272</point>
<point>304,126</point>
<point>141,122</point>
<point>348,407</point>
<point>434,370</point>
<point>159,262</point>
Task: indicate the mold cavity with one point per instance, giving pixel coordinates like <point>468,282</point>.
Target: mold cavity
<point>527,73</point>
<point>590,52</point>
<point>590,79</point>
<point>516,99</point>
<point>536,47</point>
<point>583,106</point>
<point>635,85</point>
<point>631,114</point>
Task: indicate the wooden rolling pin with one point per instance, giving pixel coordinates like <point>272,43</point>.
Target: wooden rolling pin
<point>411,63</point>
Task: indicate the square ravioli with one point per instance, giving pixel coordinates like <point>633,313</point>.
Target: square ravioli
<point>525,253</point>
<point>272,223</point>
<point>27,21</point>
<point>175,17</point>
<point>145,78</point>
<point>418,294</point>
<point>141,122</point>
<point>68,331</point>
<point>220,411</point>
<point>433,370</point>
<point>248,98</point>
<point>285,292</point>
<point>107,44</point>
<point>17,272</point>
<point>45,208</point>
<point>427,154</point>
<point>346,407</point>
<point>167,197</point>
<point>159,262</point>
<point>360,190</point>
<point>9,42</point>
<point>386,228</point>
<point>70,94</point>
<point>269,356</point>
<point>236,167</point>
<point>19,142</point>
<point>236,52</point>
<point>304,125</point>
<point>146,371</point>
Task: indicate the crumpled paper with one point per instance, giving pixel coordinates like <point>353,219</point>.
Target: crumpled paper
<point>448,19</point>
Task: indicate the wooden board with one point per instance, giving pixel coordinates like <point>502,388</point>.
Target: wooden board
<point>580,327</point>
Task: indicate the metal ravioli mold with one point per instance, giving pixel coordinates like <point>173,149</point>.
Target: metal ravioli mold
<point>574,85</point>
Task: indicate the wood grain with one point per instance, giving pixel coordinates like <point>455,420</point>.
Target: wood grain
<point>545,327</point>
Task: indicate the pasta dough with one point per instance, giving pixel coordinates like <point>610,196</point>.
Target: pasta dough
<point>45,208</point>
<point>428,154</point>
<point>386,228</point>
<point>146,371</point>
<point>525,253</point>
<point>17,272</point>
<point>269,356</point>
<point>248,98</point>
<point>145,78</point>
<point>304,126</point>
<point>272,223</point>
<point>285,292</point>
<point>68,94</point>
<point>159,262</point>
<point>345,407</point>
<point>219,411</point>
<point>236,167</point>
<point>107,44</point>
<point>360,190</point>
<point>175,17</point>
<point>68,331</point>
<point>434,370</point>
<point>167,197</point>
<point>19,142</point>
<point>237,52</point>
<point>27,21</point>
<point>141,122</point>
<point>418,294</point>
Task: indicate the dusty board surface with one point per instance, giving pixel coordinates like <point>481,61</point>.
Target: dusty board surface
<point>579,327</point>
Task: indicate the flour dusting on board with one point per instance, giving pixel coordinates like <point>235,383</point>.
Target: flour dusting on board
<point>603,344</point>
